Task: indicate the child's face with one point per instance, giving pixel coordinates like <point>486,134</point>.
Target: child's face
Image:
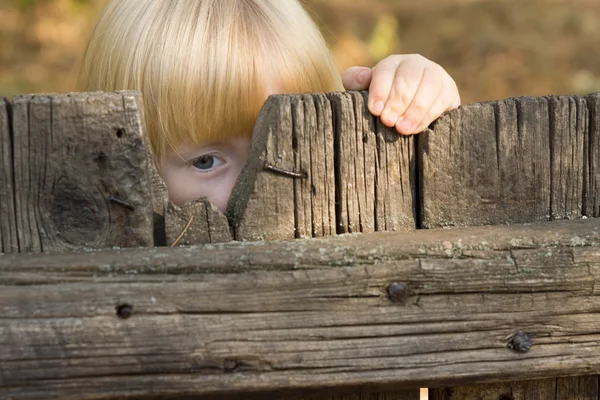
<point>208,171</point>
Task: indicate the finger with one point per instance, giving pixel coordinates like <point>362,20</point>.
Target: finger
<point>447,100</point>
<point>427,93</point>
<point>357,78</point>
<point>381,83</point>
<point>403,88</point>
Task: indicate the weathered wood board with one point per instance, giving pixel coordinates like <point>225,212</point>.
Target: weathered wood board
<point>314,143</point>
<point>321,165</point>
<point>592,198</point>
<point>197,221</point>
<point>516,160</point>
<point>8,229</point>
<point>384,310</point>
<point>376,175</point>
<point>572,388</point>
<point>262,205</point>
<point>80,172</point>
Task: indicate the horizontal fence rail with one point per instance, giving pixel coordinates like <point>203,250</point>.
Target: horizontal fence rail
<point>444,306</point>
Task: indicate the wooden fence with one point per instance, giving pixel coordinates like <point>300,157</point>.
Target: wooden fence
<point>92,309</point>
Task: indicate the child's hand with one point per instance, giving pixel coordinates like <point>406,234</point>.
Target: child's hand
<point>406,91</point>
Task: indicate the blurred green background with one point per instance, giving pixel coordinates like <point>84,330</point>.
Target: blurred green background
<point>493,48</point>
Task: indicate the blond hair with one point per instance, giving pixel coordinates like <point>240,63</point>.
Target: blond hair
<point>205,67</point>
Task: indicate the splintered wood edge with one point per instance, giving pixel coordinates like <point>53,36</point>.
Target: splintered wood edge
<point>244,186</point>
<point>196,222</point>
<point>248,208</point>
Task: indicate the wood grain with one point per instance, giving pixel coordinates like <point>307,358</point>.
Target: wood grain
<point>516,160</point>
<point>487,163</point>
<point>349,173</point>
<point>228,318</point>
<point>262,205</point>
<point>8,230</point>
<point>314,196</point>
<point>592,198</point>
<point>576,388</point>
<point>80,172</point>
<point>376,170</point>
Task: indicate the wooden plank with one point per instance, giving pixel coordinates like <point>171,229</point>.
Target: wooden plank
<point>303,315</point>
<point>80,172</point>
<point>8,231</point>
<point>576,388</point>
<point>569,129</point>
<point>516,160</point>
<point>262,205</point>
<point>487,163</point>
<point>314,155</point>
<point>592,192</point>
<point>196,222</point>
<point>354,175</point>
<point>376,170</point>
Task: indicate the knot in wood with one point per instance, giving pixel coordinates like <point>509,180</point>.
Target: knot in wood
<point>520,342</point>
<point>229,365</point>
<point>124,311</point>
<point>398,292</point>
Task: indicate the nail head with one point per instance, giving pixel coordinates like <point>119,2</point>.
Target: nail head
<point>398,292</point>
<point>124,311</point>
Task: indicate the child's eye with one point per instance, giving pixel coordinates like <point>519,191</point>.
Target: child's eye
<point>206,162</point>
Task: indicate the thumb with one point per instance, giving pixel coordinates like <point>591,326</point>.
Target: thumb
<point>357,78</point>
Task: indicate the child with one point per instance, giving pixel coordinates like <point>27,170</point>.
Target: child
<point>205,67</point>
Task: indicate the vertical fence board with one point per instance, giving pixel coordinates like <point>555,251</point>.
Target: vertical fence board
<point>488,164</point>
<point>314,156</point>
<point>568,140</point>
<point>377,175</point>
<point>262,204</point>
<point>357,168</point>
<point>80,172</point>
<point>29,115</point>
<point>8,230</point>
<point>592,188</point>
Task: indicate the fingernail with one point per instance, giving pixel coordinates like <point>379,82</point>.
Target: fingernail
<point>405,125</point>
<point>377,107</point>
<point>390,118</point>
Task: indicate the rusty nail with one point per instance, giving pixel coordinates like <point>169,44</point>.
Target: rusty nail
<point>398,292</point>
<point>122,203</point>
<point>124,311</point>
<point>520,342</point>
<point>292,174</point>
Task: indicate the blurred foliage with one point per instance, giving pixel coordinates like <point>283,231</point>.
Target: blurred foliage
<point>493,48</point>
<point>28,5</point>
